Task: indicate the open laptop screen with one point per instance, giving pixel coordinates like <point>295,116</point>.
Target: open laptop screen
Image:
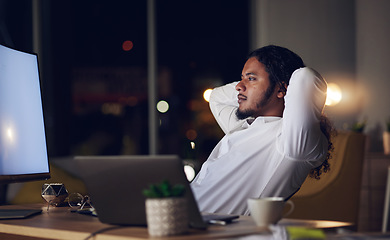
<point>115,184</point>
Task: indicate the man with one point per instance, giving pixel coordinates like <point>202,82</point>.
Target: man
<point>274,136</point>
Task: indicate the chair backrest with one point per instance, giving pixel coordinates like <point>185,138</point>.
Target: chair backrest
<point>335,196</point>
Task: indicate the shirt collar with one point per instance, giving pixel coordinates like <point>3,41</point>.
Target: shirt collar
<point>250,121</point>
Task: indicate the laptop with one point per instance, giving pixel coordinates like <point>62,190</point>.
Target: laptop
<point>115,185</point>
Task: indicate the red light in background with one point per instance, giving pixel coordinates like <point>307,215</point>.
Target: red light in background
<point>127,45</point>
<point>191,134</point>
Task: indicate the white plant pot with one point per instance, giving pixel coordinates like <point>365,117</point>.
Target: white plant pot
<point>386,143</point>
<point>166,216</point>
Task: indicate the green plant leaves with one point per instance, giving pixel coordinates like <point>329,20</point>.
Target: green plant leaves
<point>164,190</point>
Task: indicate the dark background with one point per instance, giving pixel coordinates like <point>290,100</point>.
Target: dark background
<point>95,93</point>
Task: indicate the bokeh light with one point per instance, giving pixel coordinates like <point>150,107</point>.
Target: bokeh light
<point>112,108</point>
<point>206,94</point>
<point>191,134</point>
<point>334,94</point>
<point>127,45</point>
<point>162,106</point>
<point>190,172</point>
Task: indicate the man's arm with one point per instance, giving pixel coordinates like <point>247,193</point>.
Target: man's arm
<point>301,136</point>
<point>223,105</point>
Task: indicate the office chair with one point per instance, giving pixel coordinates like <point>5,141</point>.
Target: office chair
<point>336,195</point>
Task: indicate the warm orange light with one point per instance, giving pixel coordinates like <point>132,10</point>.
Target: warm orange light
<point>334,94</point>
<point>127,45</point>
<point>206,94</point>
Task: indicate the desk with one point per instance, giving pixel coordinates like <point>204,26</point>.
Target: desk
<point>60,223</point>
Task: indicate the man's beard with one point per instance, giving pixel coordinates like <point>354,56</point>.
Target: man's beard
<point>244,114</point>
<point>263,101</point>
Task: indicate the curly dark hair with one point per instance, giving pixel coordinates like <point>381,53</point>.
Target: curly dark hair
<point>329,131</point>
<point>280,63</point>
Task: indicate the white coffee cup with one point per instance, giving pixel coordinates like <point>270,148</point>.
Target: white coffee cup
<point>268,211</point>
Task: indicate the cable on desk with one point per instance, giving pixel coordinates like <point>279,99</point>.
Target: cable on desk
<point>103,230</point>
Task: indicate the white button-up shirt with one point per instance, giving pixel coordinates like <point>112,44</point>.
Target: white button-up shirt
<point>266,156</point>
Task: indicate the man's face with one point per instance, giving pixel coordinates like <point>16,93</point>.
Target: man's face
<point>256,96</point>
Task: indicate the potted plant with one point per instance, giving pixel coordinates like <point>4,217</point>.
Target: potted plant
<point>166,209</point>
<point>386,139</point>
<point>359,126</point>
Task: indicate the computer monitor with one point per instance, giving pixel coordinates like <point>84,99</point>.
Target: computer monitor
<point>23,149</point>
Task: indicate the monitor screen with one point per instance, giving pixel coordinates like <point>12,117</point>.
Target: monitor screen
<point>23,151</point>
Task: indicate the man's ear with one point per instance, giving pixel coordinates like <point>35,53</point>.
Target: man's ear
<point>282,90</point>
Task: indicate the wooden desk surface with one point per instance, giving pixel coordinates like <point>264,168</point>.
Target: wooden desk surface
<point>60,223</point>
